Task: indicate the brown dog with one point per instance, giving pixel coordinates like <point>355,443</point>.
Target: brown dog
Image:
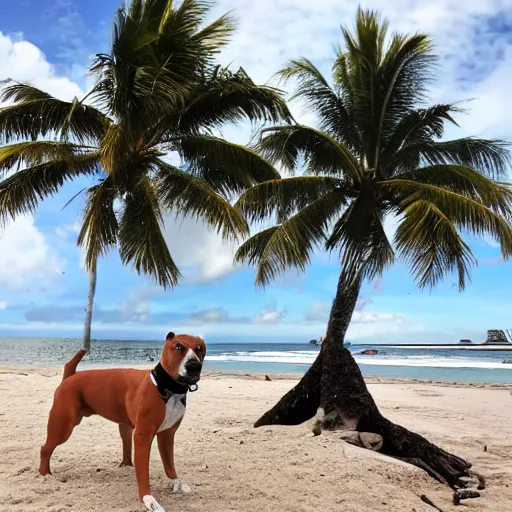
<point>144,403</point>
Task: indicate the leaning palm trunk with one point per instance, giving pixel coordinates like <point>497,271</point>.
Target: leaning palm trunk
<point>93,274</point>
<point>335,383</point>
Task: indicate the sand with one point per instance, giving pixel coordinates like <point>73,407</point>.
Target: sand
<point>234,467</point>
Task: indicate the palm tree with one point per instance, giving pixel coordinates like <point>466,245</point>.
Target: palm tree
<point>157,92</point>
<point>376,152</point>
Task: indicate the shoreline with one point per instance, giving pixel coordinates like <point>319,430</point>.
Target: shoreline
<point>53,371</point>
<point>445,346</point>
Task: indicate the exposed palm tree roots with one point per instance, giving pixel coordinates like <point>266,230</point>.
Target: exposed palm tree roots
<point>335,384</point>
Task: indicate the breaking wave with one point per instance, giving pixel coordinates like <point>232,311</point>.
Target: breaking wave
<point>306,357</point>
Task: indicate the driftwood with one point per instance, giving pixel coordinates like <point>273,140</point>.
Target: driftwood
<point>430,502</point>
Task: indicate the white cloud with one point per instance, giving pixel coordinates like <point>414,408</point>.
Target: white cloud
<point>199,252</point>
<point>3,304</point>
<point>269,316</point>
<point>137,306</point>
<point>134,309</point>
<point>486,115</point>
<point>213,315</point>
<point>368,317</point>
<point>64,230</point>
<point>25,62</point>
<point>25,256</point>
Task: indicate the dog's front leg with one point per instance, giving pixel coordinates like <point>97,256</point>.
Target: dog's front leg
<point>166,449</point>
<point>142,448</point>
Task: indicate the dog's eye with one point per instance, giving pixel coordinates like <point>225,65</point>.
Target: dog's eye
<point>180,347</point>
<point>199,349</point>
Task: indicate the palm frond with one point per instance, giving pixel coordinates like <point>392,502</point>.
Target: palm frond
<point>34,153</point>
<point>366,44</point>
<point>286,145</point>
<point>217,34</point>
<point>226,167</point>
<point>99,230</point>
<point>289,244</point>
<point>490,157</point>
<point>417,126</point>
<point>19,92</point>
<point>403,76</point>
<point>462,180</point>
<point>429,243</point>
<point>229,97</point>
<point>37,114</point>
<point>379,255</point>
<point>465,213</point>
<point>315,93</point>
<point>188,195</point>
<point>21,192</point>
<point>381,84</point>
<point>284,197</point>
<point>114,148</point>
<point>141,241</point>
<point>158,53</point>
<point>359,236</point>
<point>136,9</point>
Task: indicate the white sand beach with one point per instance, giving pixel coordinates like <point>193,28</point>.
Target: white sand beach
<point>234,467</point>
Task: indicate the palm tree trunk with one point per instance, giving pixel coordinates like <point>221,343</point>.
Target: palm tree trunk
<point>90,306</point>
<point>335,384</point>
<point>343,307</point>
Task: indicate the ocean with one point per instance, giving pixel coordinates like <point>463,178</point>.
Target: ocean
<point>449,365</point>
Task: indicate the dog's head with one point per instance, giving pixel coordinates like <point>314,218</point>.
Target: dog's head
<point>182,357</point>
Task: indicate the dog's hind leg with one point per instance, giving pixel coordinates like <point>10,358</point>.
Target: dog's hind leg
<point>126,432</point>
<point>63,418</point>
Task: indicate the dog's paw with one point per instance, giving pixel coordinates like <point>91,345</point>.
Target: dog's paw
<point>177,485</point>
<point>151,504</point>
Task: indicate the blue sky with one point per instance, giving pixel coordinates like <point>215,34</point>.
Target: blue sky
<point>43,287</point>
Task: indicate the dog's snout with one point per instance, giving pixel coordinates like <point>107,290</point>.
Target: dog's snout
<point>193,366</point>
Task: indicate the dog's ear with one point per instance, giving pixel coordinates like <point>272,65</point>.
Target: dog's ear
<point>170,336</point>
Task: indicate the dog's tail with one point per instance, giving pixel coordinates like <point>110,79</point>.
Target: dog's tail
<point>70,366</point>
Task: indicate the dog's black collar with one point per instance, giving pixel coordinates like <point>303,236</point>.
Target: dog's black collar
<point>168,386</point>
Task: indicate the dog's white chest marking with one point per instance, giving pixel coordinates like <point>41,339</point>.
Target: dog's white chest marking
<point>174,411</point>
